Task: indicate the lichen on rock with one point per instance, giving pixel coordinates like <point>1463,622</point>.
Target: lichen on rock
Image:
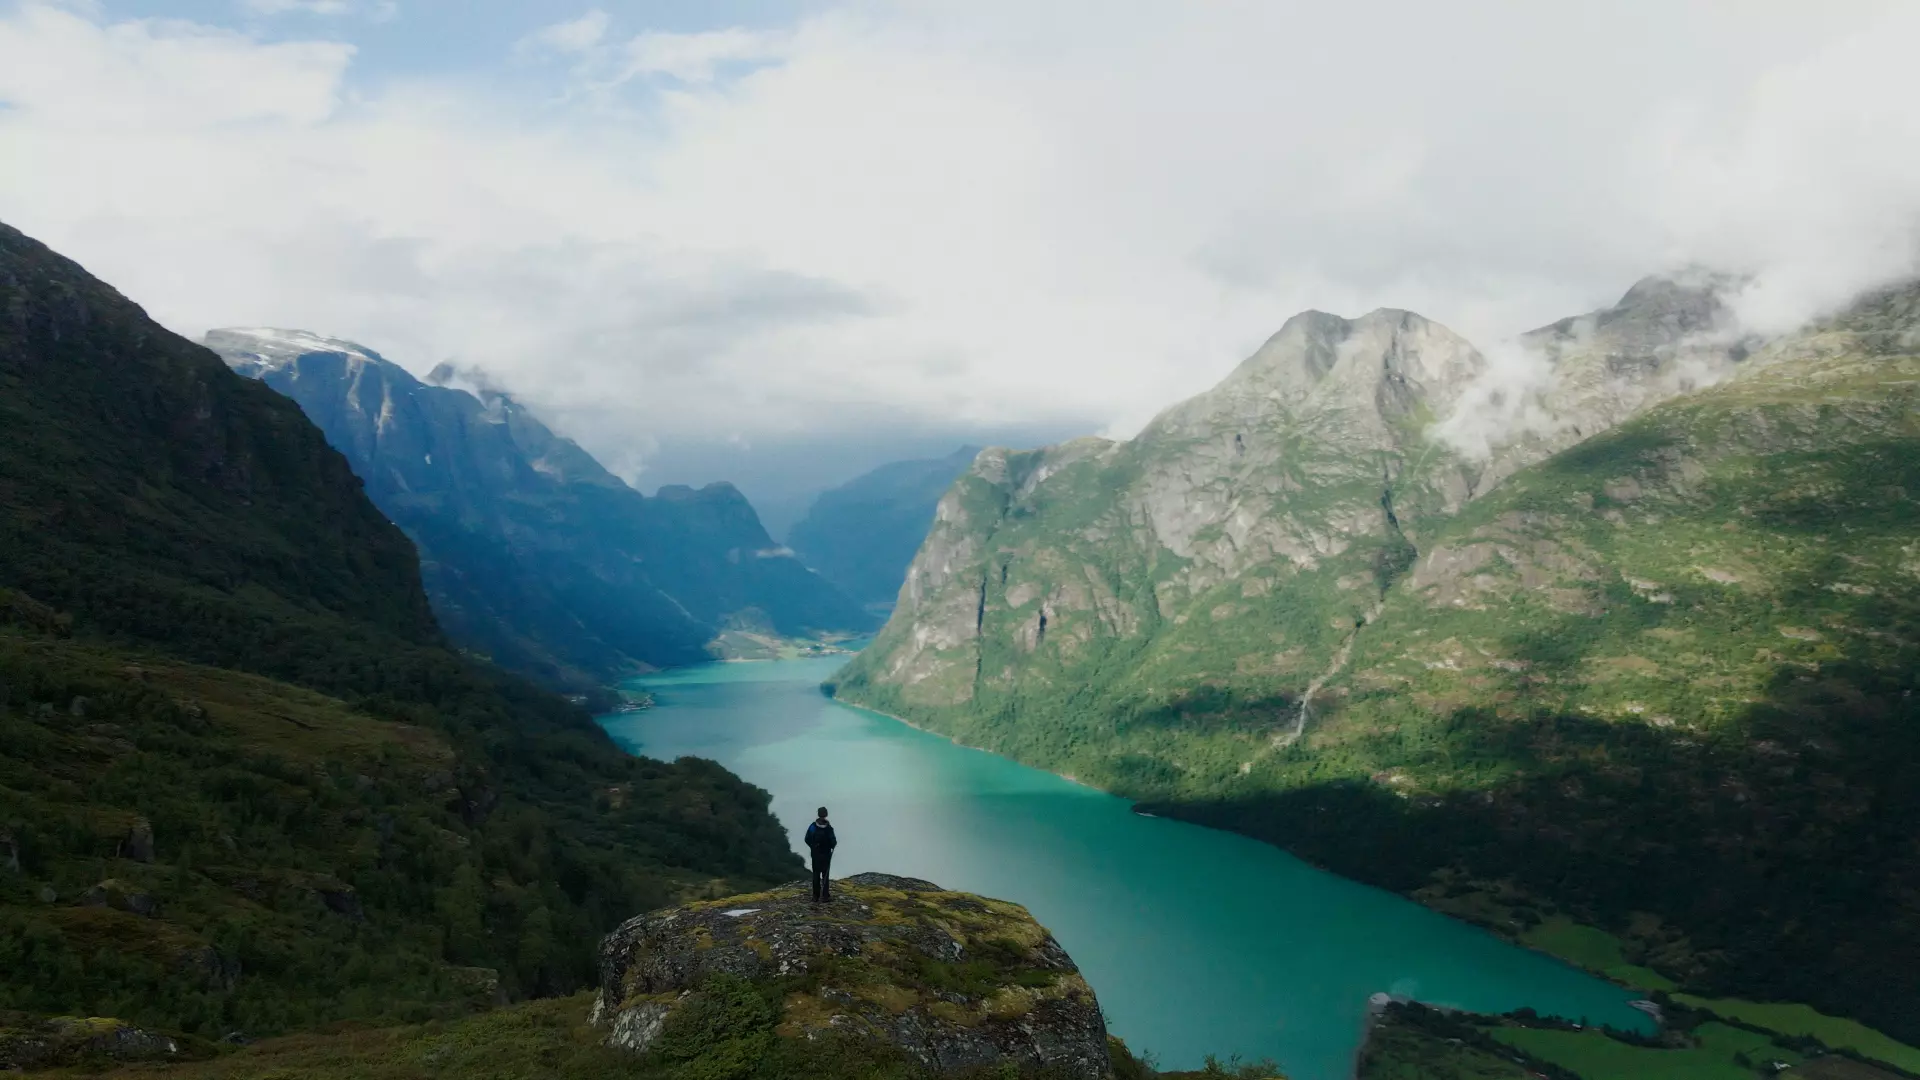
<point>954,981</point>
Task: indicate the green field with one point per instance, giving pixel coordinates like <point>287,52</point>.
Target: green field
<point>1789,1019</point>
<point>1593,949</point>
<point>1596,1057</point>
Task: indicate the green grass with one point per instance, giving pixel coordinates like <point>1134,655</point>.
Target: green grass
<point>549,1039</point>
<point>1640,978</point>
<point>1794,1019</point>
<point>1584,946</point>
<point>1596,1057</point>
<point>1594,949</point>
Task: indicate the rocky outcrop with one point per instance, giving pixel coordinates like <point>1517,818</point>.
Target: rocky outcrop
<point>955,981</point>
<point>119,895</point>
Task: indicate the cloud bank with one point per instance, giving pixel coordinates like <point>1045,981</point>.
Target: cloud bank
<point>1060,213</point>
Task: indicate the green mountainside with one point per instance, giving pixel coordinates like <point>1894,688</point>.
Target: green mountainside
<point>533,554</point>
<point>245,785</point>
<point>862,535</point>
<point>1660,682</point>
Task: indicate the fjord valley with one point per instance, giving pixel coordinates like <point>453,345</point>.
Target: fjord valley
<point>533,554</point>
<point>1306,540</point>
<point>247,787</point>
<point>260,818</point>
<point>1644,664</point>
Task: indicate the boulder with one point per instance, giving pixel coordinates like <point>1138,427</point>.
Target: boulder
<point>955,981</point>
<point>121,896</point>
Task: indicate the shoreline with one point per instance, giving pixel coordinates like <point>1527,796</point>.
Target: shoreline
<point>1134,807</point>
<point>1068,777</point>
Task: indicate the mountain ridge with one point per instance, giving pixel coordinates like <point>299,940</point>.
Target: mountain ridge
<point>533,553</point>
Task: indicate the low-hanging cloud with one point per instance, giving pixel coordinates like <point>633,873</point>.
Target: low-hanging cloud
<point>1062,213</point>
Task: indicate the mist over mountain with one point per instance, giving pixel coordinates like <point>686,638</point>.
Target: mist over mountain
<point>532,553</point>
<point>783,475</point>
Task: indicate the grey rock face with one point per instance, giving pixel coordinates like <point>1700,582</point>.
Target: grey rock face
<point>1034,1011</point>
<point>1262,518</point>
<point>1311,460</point>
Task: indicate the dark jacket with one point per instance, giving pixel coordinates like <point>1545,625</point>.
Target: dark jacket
<point>820,840</point>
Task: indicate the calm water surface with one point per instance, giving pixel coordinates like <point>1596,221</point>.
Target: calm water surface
<point>1196,941</point>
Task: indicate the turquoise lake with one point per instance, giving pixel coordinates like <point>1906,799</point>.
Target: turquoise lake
<point>1196,941</point>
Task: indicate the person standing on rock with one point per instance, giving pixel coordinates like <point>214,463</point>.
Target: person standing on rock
<point>821,842</point>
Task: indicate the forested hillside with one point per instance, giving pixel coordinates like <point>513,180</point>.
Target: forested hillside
<point>246,785</point>
<point>1661,682</point>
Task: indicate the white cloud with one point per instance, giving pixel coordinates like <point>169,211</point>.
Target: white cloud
<point>994,210</point>
<point>572,36</point>
<point>1813,181</point>
<point>76,85</point>
<point>698,57</point>
<point>305,7</point>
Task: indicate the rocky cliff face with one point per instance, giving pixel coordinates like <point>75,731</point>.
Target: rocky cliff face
<point>953,982</point>
<point>532,552</point>
<point>1616,679</point>
<point>1296,488</point>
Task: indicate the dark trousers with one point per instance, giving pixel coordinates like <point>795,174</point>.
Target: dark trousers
<point>822,862</point>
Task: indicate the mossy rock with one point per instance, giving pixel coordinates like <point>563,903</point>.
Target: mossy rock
<point>955,981</point>
<point>35,1043</point>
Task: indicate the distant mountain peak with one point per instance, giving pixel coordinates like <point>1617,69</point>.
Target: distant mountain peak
<point>1376,370</point>
<point>273,347</point>
<point>533,552</point>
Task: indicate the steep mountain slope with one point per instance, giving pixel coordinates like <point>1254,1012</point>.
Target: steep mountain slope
<point>532,553</point>
<point>140,479</point>
<point>1662,681</point>
<point>862,535</point>
<point>245,784</point>
<point>1288,494</point>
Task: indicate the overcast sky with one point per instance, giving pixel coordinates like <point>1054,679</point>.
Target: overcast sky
<point>764,222</point>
